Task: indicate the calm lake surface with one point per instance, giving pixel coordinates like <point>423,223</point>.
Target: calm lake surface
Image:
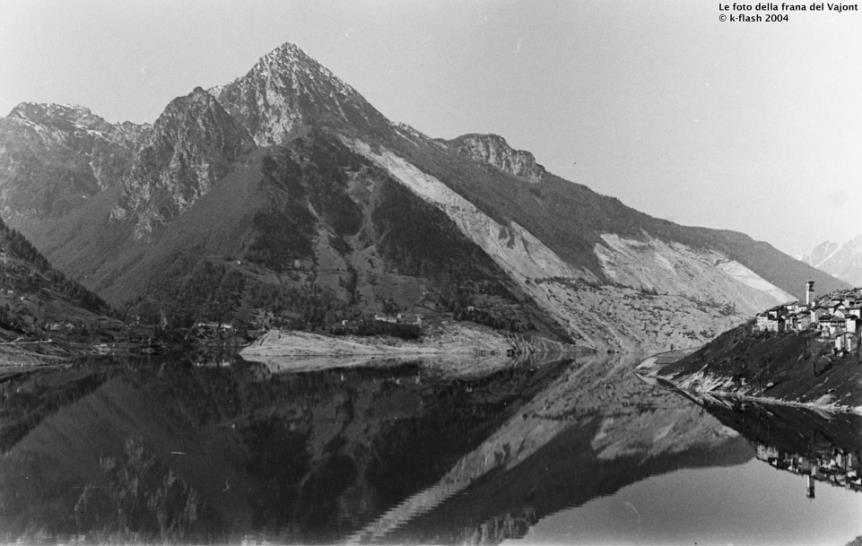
<point>534,453</point>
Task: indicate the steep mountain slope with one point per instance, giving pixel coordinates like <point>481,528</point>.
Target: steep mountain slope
<point>606,271</point>
<point>310,214</point>
<point>843,261</point>
<point>53,158</point>
<point>40,309</point>
<point>571,219</point>
<point>192,146</point>
<point>286,191</point>
<point>28,277</point>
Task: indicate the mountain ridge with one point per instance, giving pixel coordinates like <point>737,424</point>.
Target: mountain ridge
<point>191,146</point>
<point>844,261</point>
<point>285,190</point>
<point>494,150</point>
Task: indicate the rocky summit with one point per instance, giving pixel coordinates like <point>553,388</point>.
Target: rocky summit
<point>55,157</point>
<point>286,91</point>
<point>192,145</point>
<point>285,199</point>
<point>494,150</point>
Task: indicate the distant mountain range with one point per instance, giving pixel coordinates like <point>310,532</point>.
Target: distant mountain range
<point>843,261</point>
<point>286,193</point>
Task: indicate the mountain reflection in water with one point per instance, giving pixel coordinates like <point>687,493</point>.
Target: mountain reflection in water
<point>405,453</point>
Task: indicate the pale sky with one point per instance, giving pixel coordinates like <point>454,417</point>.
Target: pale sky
<point>752,127</point>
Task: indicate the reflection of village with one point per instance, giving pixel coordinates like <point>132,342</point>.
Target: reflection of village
<point>839,467</point>
<point>837,320</point>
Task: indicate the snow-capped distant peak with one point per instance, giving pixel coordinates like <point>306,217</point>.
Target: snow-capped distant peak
<point>840,260</point>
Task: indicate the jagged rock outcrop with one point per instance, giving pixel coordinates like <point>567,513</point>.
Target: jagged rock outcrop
<point>494,150</point>
<point>191,147</point>
<point>54,157</point>
<point>287,90</point>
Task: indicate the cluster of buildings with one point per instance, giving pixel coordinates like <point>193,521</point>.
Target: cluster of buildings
<point>839,467</point>
<point>400,318</point>
<point>837,320</point>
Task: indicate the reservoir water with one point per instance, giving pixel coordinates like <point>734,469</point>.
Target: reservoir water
<point>576,451</point>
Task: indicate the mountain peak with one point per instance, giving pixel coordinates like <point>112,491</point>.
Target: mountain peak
<point>287,89</point>
<point>192,145</point>
<point>198,100</point>
<point>290,59</point>
<point>289,68</point>
<point>844,261</point>
<point>494,150</point>
<point>288,52</point>
<point>28,109</point>
<point>56,114</point>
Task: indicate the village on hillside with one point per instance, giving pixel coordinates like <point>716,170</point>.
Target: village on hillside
<point>836,319</point>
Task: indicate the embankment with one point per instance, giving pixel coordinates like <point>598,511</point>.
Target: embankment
<point>789,367</point>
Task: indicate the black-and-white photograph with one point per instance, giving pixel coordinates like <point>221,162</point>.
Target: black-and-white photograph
<point>402,272</point>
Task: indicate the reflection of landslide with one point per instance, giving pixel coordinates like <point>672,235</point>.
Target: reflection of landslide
<point>373,437</point>
<point>189,453</point>
<point>592,431</point>
<point>563,474</point>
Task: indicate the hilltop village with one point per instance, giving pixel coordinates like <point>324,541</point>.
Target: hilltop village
<point>837,319</point>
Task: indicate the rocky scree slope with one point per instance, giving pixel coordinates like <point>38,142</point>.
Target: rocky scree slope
<point>285,191</point>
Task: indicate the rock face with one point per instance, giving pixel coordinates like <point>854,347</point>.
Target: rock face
<point>842,261</point>
<point>286,192</point>
<point>192,146</point>
<point>55,157</point>
<point>287,90</point>
<point>494,150</point>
